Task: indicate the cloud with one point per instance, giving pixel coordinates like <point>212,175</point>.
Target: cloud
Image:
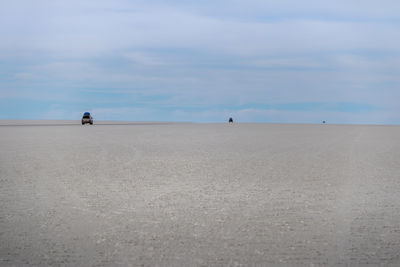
<point>24,76</point>
<point>213,55</point>
<point>144,59</point>
<point>89,29</point>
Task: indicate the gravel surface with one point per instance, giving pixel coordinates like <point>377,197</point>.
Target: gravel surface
<point>199,195</point>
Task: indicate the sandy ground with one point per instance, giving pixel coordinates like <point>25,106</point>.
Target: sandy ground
<point>199,195</point>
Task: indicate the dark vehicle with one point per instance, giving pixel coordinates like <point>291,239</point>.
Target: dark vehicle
<point>230,120</point>
<point>87,118</point>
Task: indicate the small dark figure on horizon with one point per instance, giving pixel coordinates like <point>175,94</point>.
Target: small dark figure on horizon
<point>323,122</point>
<point>230,120</point>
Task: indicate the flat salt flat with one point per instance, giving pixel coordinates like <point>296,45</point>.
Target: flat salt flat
<point>199,195</point>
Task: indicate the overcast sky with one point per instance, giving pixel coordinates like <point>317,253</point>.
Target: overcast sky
<point>201,61</point>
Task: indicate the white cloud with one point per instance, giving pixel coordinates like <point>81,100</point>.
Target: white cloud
<point>144,59</point>
<point>206,53</point>
<point>24,76</point>
<point>87,29</point>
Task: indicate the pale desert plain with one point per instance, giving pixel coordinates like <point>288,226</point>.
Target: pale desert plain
<point>158,194</point>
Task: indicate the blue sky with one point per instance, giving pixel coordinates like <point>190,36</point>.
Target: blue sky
<point>201,61</point>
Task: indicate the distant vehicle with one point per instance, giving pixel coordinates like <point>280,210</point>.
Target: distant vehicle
<point>87,118</point>
<point>230,120</point>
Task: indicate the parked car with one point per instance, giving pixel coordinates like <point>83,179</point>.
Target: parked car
<point>87,118</point>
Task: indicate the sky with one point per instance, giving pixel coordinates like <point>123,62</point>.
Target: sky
<point>201,61</point>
